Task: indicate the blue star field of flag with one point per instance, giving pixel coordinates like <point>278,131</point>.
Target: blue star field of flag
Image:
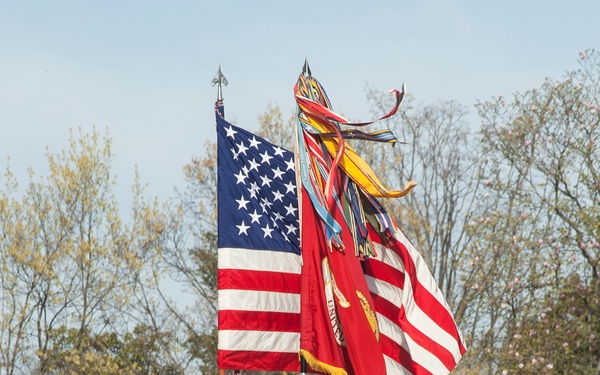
<point>258,205</point>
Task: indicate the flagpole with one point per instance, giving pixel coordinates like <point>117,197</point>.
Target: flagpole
<point>219,81</point>
<point>306,72</point>
<point>302,366</point>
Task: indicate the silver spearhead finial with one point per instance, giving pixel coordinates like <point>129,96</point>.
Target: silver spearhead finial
<point>220,81</point>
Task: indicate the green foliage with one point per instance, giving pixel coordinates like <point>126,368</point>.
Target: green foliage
<point>73,273</point>
<point>134,353</point>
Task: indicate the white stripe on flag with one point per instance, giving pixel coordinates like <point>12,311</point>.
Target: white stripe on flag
<point>425,358</point>
<point>259,260</point>
<point>251,300</point>
<point>423,274</point>
<point>391,330</point>
<point>394,368</point>
<point>388,257</point>
<point>385,290</point>
<point>259,341</point>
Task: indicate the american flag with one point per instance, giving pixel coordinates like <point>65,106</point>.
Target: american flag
<point>418,332</point>
<point>258,256</point>
<point>260,270</point>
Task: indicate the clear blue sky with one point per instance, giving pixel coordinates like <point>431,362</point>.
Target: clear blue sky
<point>143,69</point>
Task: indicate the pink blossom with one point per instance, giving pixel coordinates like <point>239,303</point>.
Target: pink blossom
<point>565,345</point>
<point>521,365</point>
<point>550,366</point>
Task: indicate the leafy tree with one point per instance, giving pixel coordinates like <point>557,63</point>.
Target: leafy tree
<point>536,229</point>
<point>69,261</point>
<point>193,261</point>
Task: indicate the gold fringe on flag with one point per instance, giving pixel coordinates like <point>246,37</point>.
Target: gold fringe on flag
<point>317,365</point>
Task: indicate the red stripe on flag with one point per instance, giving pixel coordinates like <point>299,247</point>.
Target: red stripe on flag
<point>259,321</point>
<point>259,280</point>
<point>262,361</point>
<point>386,308</point>
<point>384,272</point>
<point>397,353</point>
